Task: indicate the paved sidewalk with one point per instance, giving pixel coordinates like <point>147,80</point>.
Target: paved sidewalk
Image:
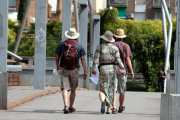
<point>139,106</point>
<point>19,92</point>
<point>18,95</point>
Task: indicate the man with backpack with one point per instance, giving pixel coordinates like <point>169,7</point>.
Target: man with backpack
<point>69,52</point>
<point>161,76</point>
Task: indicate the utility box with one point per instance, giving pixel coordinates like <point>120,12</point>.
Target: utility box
<point>130,15</point>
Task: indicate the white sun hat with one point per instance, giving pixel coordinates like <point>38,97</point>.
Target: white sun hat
<point>72,34</point>
<point>108,36</point>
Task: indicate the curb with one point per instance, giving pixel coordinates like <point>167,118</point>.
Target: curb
<point>31,97</point>
<point>36,95</point>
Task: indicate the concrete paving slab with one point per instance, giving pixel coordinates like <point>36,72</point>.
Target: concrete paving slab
<point>139,106</point>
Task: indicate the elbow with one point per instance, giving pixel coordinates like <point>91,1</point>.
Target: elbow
<point>82,59</point>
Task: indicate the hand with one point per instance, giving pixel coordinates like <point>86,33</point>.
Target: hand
<point>58,69</point>
<point>94,72</point>
<point>163,76</point>
<point>123,74</point>
<point>132,75</point>
<point>85,75</point>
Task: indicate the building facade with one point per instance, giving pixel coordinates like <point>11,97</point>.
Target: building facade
<point>142,9</point>
<point>54,11</point>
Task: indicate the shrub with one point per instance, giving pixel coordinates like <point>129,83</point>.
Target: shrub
<point>145,39</point>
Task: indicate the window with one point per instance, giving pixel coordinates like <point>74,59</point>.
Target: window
<point>12,3</point>
<point>122,2</point>
<point>122,12</point>
<point>140,2</point>
<point>158,2</point>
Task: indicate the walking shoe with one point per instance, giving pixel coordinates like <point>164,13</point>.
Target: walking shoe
<point>121,110</point>
<point>71,110</point>
<point>66,110</point>
<point>114,112</point>
<point>103,107</point>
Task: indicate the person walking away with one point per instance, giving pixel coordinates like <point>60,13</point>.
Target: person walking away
<point>160,80</point>
<point>106,56</point>
<point>68,53</point>
<point>125,53</point>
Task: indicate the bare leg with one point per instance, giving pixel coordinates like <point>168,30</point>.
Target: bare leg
<point>72,98</point>
<point>108,109</point>
<point>121,100</point>
<point>65,98</point>
<point>114,104</point>
<point>102,99</point>
<point>101,96</point>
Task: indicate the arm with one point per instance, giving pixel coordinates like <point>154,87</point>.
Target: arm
<point>84,66</point>
<point>164,76</point>
<point>96,60</point>
<point>57,62</point>
<point>128,61</point>
<point>119,61</point>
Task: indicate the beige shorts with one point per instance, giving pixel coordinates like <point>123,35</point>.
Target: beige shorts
<point>69,79</point>
<point>122,83</point>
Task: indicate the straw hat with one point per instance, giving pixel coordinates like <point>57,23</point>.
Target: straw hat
<point>108,36</point>
<point>72,34</point>
<point>120,33</point>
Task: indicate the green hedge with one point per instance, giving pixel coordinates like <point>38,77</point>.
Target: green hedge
<point>146,41</point>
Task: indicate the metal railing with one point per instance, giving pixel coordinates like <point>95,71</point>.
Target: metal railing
<point>159,2</point>
<point>118,2</point>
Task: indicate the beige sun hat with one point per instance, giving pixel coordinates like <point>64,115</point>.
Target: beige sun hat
<point>108,36</point>
<point>120,33</point>
<point>72,34</point>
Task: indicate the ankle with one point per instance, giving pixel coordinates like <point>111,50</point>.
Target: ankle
<point>65,107</point>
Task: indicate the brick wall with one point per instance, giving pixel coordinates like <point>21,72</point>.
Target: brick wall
<point>172,7</point>
<point>131,6</point>
<point>32,12</point>
<point>149,9</point>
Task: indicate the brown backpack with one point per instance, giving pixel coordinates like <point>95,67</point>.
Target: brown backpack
<point>69,59</point>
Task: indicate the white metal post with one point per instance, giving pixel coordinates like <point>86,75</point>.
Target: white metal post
<point>169,41</point>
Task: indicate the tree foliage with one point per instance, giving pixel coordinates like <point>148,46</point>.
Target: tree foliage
<point>22,9</point>
<point>146,41</point>
<point>26,47</point>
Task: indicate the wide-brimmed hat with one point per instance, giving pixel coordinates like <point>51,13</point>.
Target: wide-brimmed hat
<point>72,34</point>
<point>120,33</point>
<point>108,36</point>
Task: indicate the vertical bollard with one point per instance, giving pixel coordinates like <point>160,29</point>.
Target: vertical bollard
<point>40,44</point>
<point>66,18</point>
<point>3,34</point>
<point>3,53</point>
<point>83,29</point>
<point>96,35</point>
<point>3,90</point>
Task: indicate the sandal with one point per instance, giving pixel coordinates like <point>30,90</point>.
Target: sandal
<point>121,109</point>
<point>108,113</point>
<point>114,112</point>
<point>66,110</point>
<point>103,107</point>
<point>71,110</point>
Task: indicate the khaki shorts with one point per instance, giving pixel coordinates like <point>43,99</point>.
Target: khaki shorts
<point>69,79</point>
<point>122,83</point>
